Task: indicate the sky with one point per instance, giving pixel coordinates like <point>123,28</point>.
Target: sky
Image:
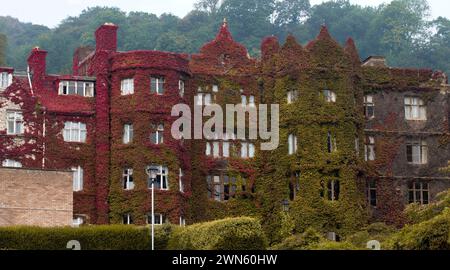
<point>51,12</point>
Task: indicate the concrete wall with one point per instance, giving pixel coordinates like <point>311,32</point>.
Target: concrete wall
<point>35,198</point>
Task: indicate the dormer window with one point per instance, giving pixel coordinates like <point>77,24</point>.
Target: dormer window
<point>79,88</point>
<point>5,80</point>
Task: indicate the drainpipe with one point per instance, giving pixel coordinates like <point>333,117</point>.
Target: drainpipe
<point>44,131</point>
<point>29,80</point>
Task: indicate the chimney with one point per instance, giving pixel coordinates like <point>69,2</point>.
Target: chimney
<point>37,65</point>
<point>106,37</point>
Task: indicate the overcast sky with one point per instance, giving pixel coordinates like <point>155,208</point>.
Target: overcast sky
<point>50,12</point>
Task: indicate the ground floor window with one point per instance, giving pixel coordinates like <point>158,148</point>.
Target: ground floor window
<point>372,193</point>
<point>330,190</point>
<point>160,219</point>
<point>223,187</point>
<point>418,192</point>
<point>127,219</point>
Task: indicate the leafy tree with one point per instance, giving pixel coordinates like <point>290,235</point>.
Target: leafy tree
<point>2,50</point>
<point>209,6</point>
<point>291,12</point>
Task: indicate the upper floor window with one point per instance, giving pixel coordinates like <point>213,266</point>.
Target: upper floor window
<point>84,89</point>
<point>247,150</point>
<point>333,190</point>
<point>128,133</point>
<point>78,175</point>
<point>213,149</point>
<point>127,87</point>
<point>330,96</point>
<point>294,185</point>
<point>157,135</point>
<point>250,100</point>
<point>181,86</point>
<point>331,143</point>
<point>417,152</point>
<point>415,109</point>
<point>77,221</point>
<point>128,181</point>
<point>203,99</point>
<point>180,179</point>
<point>369,107</point>
<point>75,132</point>
<point>369,148</point>
<point>418,192</point>
<point>292,96</point>
<point>222,188</point>
<point>11,163</point>
<point>15,123</point>
<point>293,146</point>
<point>127,219</point>
<point>157,85</point>
<point>372,192</point>
<point>215,88</point>
<point>162,177</point>
<point>5,80</point>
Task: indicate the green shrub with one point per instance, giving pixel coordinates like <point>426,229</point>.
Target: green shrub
<point>419,213</point>
<point>300,241</point>
<point>228,234</point>
<point>376,231</point>
<point>433,234</point>
<point>330,245</point>
<point>90,237</point>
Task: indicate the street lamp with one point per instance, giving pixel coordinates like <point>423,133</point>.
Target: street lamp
<point>285,204</point>
<point>152,173</point>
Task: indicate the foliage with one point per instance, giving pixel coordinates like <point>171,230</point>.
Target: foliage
<point>420,213</point>
<point>229,234</point>
<point>300,241</point>
<point>2,49</point>
<point>376,231</point>
<point>400,30</point>
<point>112,237</point>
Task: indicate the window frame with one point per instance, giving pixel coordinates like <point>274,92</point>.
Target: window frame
<point>127,86</point>
<point>17,121</point>
<point>157,134</point>
<point>88,88</point>
<point>128,179</point>
<point>128,133</point>
<point>369,103</point>
<point>78,178</point>
<point>162,177</point>
<point>415,105</point>
<point>422,152</point>
<point>369,148</point>
<point>414,190</point>
<point>292,144</point>
<point>78,127</point>
<point>157,85</point>
<point>329,96</point>
<point>6,79</point>
<point>11,163</point>
<point>372,196</point>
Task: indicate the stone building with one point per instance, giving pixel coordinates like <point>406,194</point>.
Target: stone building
<point>358,140</point>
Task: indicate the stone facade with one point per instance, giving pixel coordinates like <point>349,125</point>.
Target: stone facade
<point>35,198</point>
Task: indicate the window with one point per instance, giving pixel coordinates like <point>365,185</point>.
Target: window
<point>369,149</point>
<point>15,123</point>
<point>79,88</point>
<point>372,193</point>
<point>128,182</point>
<point>216,149</point>
<point>415,109</point>
<point>332,191</point>
<point>203,99</point>
<point>294,185</point>
<point>75,132</point>
<point>292,141</point>
<point>11,163</point>
<point>182,221</point>
<point>127,87</point>
<point>226,149</point>
<point>247,150</point>
<point>157,136</point>
<point>369,107</point>
<point>251,101</point>
<point>329,95</point>
<point>157,85</point>
<point>181,85</point>
<point>127,219</point>
<point>419,192</point>
<point>77,222</point>
<point>244,100</point>
<point>331,143</point>
<point>417,152</point>
<point>128,133</point>
<point>215,88</point>
<point>162,178</point>
<point>213,149</point>
<point>5,80</point>
<point>357,146</point>
<point>159,219</point>
<point>222,188</point>
<point>77,179</point>
<point>292,96</point>
<point>181,175</point>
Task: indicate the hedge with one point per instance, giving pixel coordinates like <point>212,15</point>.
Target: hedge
<point>115,237</point>
<point>242,233</point>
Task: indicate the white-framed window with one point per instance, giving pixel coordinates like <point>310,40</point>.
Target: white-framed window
<point>11,163</point>
<point>369,107</point>
<point>180,180</point>
<point>127,219</point>
<point>182,221</point>
<point>226,149</point>
<point>181,87</point>
<point>331,143</point>
<point>330,96</point>
<point>128,133</point>
<point>251,101</point>
<point>417,152</point>
<point>292,96</point>
<point>332,190</point>
<point>162,177</point>
<point>77,222</point>
<point>292,144</point>
<point>222,187</point>
<point>160,219</point>
<point>127,179</point>
<point>78,175</point>
<point>357,146</point>
<point>127,86</point>
<point>216,149</point>
<point>215,88</point>
<point>157,135</point>
<point>369,148</point>
<point>75,132</point>
<point>418,192</point>
<point>80,88</point>
<point>213,149</point>
<point>247,150</point>
<point>5,80</point>
<point>15,123</point>
<point>415,109</point>
<point>203,99</point>
<point>243,100</point>
<point>157,85</point>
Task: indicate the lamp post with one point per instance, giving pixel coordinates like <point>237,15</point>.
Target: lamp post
<point>152,172</point>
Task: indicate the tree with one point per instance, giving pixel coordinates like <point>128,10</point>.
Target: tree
<point>209,6</point>
<point>291,12</point>
<point>2,49</point>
